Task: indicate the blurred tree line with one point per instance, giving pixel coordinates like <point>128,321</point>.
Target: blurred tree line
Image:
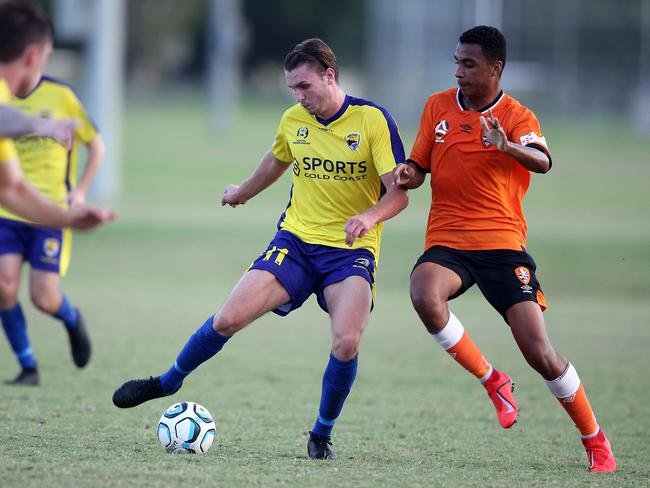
<point>166,39</point>
<point>570,53</point>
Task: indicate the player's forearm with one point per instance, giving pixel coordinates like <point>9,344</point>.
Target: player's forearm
<point>23,199</point>
<point>392,203</point>
<point>266,173</point>
<point>14,123</point>
<point>531,159</point>
<point>93,161</point>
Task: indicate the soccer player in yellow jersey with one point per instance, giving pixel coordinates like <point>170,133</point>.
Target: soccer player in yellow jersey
<point>342,152</point>
<point>50,167</point>
<point>25,45</point>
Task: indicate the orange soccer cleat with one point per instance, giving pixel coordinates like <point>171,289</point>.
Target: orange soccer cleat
<point>600,455</point>
<point>499,388</point>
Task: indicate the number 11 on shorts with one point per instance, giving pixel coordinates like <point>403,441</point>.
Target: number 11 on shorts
<point>281,253</point>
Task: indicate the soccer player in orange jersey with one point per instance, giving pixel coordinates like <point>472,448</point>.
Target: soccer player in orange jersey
<point>480,146</point>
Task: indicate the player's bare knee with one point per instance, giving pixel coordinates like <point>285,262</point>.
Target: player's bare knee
<point>422,302</point>
<point>346,346</point>
<point>8,293</point>
<point>227,323</point>
<point>44,300</point>
<point>432,308</point>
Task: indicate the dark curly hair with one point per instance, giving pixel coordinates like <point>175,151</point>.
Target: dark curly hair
<point>314,52</point>
<point>491,40</point>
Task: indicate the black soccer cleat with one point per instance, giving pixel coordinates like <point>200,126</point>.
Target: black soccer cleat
<point>27,377</point>
<point>134,392</point>
<point>319,447</point>
<point>79,342</point>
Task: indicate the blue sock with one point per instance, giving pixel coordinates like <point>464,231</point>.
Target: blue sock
<point>67,314</point>
<point>15,326</point>
<point>203,344</point>
<point>337,381</point>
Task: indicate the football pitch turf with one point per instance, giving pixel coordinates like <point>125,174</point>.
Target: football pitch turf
<point>414,417</point>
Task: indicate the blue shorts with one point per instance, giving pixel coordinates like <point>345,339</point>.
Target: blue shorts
<point>40,246</point>
<point>304,268</point>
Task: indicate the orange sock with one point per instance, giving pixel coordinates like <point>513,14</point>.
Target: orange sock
<point>579,409</point>
<point>453,339</point>
<point>569,391</point>
<point>470,357</point>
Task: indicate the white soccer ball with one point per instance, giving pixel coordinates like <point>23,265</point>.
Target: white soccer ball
<point>186,427</point>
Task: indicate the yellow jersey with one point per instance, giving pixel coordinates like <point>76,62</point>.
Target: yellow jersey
<point>7,148</point>
<point>46,163</point>
<point>337,164</point>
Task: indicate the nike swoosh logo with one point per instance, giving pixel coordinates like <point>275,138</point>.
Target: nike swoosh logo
<point>506,403</point>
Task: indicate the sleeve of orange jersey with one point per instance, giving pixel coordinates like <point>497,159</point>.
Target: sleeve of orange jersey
<point>421,152</point>
<point>527,131</point>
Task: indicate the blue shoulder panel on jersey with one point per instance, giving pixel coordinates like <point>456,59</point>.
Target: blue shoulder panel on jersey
<point>395,140</point>
<point>56,81</point>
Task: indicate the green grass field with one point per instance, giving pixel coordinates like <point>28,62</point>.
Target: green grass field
<point>414,418</point>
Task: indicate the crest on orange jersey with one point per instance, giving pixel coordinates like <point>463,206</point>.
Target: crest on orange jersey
<point>523,274</point>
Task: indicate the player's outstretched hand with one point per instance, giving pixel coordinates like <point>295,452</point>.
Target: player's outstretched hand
<point>231,197</point>
<point>357,226</point>
<point>83,217</point>
<point>403,175</point>
<point>493,132</point>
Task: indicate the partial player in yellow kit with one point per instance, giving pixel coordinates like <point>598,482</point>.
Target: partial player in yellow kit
<point>25,45</point>
<point>51,168</point>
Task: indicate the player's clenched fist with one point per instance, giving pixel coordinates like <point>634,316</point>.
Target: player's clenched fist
<point>231,196</point>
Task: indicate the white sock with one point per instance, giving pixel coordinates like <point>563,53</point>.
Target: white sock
<point>566,384</point>
<point>450,334</point>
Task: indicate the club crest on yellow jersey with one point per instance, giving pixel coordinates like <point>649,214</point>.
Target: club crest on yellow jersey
<point>353,139</point>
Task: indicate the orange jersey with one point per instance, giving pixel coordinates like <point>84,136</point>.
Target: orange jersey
<point>476,190</point>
